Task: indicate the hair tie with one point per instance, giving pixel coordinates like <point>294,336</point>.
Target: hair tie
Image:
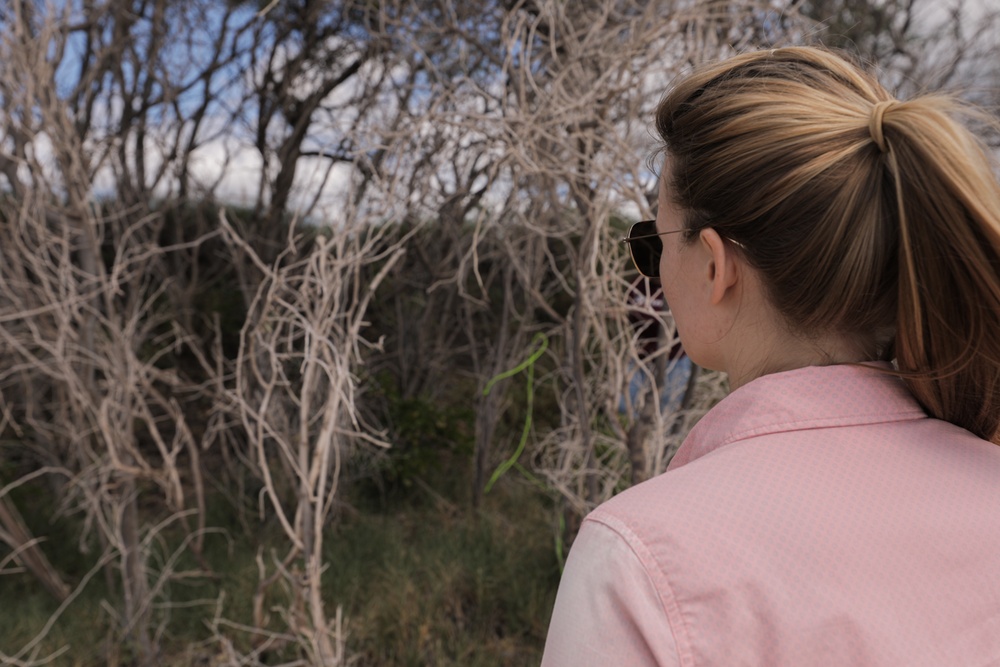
<point>875,123</point>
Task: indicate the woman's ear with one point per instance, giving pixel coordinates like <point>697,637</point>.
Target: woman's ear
<point>723,267</point>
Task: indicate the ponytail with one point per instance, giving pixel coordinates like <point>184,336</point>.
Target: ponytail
<point>947,202</point>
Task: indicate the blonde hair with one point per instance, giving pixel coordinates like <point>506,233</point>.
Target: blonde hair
<point>875,218</point>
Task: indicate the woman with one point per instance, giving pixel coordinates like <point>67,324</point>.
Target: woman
<point>834,509</point>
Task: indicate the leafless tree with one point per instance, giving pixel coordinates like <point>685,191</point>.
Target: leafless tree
<point>86,323</point>
<point>295,388</point>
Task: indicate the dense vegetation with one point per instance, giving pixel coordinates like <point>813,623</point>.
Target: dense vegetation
<point>315,328</point>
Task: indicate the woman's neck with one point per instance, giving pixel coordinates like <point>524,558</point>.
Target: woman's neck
<point>776,349</point>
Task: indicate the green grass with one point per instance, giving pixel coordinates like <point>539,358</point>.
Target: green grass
<point>424,582</point>
<point>431,587</point>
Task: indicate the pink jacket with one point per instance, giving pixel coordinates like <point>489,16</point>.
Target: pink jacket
<point>813,517</point>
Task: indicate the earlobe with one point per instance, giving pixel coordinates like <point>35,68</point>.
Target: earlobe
<point>723,272</point>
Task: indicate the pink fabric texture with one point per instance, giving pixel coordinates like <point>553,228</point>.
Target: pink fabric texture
<point>813,517</point>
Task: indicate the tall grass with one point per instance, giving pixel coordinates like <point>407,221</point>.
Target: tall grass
<point>435,586</point>
<point>423,581</point>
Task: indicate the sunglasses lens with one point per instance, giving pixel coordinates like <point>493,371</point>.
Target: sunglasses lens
<point>645,251</point>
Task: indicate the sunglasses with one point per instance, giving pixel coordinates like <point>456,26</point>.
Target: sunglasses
<point>645,246</point>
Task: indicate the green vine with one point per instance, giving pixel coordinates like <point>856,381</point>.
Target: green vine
<point>541,343</point>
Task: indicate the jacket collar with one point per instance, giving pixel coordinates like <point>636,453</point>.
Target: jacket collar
<point>804,398</point>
